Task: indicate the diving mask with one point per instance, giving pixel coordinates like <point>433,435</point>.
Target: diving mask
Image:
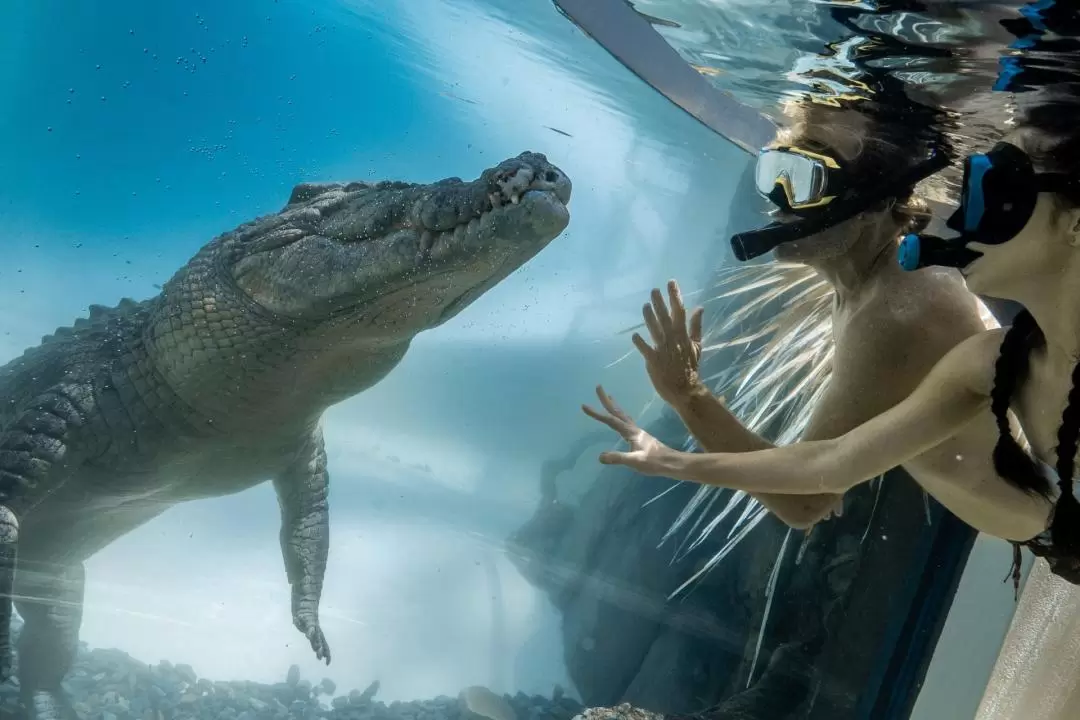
<point>820,191</point>
<point>795,179</point>
<point>997,198</point>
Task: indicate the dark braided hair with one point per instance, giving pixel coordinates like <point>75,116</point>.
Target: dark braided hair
<point>1045,59</point>
<point>1065,526</point>
<point>1010,460</point>
<point>1010,371</point>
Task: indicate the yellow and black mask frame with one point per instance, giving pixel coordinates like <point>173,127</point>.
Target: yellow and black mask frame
<point>821,192</point>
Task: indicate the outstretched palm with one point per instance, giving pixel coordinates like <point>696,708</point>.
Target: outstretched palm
<point>646,452</point>
<point>673,364</point>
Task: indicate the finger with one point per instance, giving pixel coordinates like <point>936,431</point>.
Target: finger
<point>695,325</point>
<point>643,347</point>
<point>613,458</point>
<point>661,311</point>
<point>613,423</point>
<point>678,309</point>
<point>632,460</point>
<point>653,324</point>
<point>613,407</point>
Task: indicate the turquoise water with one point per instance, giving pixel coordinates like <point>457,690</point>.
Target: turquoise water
<point>139,131</point>
<point>136,132</point>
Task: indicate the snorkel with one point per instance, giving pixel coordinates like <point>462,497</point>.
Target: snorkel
<point>997,198</point>
<point>923,250</point>
<point>919,250</point>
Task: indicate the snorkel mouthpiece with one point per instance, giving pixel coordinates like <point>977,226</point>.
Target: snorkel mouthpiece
<point>909,252</point>
<point>919,251</point>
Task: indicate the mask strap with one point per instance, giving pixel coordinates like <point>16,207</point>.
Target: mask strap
<point>1055,182</point>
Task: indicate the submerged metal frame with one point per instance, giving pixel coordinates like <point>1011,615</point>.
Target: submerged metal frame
<point>633,41</point>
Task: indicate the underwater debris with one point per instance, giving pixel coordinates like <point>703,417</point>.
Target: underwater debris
<point>561,132</point>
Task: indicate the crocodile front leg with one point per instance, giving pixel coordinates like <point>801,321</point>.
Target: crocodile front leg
<point>305,537</point>
<point>30,450</point>
<point>50,602</point>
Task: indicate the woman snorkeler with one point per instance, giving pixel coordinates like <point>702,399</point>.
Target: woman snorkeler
<point>1019,225</point>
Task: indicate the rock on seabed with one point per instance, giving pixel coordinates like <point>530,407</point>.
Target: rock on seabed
<point>112,685</point>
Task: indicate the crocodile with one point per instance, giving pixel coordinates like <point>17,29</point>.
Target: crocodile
<point>219,383</point>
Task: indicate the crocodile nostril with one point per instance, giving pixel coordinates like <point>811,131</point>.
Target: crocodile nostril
<point>551,176</point>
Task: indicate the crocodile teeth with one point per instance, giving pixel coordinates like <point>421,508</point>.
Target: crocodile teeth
<point>515,199</point>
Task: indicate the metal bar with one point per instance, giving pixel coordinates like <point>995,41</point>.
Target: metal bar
<point>629,37</point>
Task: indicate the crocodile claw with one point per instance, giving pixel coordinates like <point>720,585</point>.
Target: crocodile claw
<point>314,634</point>
<point>318,644</point>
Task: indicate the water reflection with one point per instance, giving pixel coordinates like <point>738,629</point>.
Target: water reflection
<point>945,53</point>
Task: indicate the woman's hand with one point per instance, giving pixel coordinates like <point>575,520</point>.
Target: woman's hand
<point>646,454</point>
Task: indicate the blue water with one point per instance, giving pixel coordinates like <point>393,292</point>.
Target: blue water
<point>135,132</point>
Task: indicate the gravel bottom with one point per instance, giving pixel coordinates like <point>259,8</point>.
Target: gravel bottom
<point>619,712</point>
<point>112,685</point>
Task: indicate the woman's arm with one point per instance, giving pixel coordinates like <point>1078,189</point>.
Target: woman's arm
<point>953,393</point>
<point>717,430</point>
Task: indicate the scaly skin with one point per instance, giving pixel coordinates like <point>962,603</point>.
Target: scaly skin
<point>219,382</point>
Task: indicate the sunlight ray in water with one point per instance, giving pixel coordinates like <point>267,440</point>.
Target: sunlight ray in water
<point>770,592</point>
<point>773,388</point>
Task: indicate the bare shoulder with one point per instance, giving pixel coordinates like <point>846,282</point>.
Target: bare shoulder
<point>909,324</point>
<point>972,361</point>
<point>935,294</point>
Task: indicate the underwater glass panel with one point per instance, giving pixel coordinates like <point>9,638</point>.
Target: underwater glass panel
<point>300,300</point>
